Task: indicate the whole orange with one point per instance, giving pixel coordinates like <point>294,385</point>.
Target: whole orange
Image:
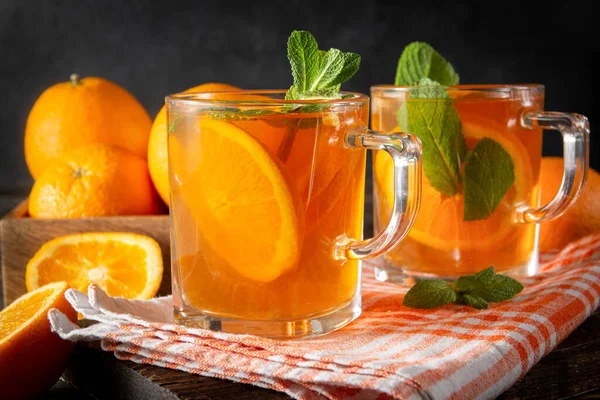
<point>94,180</point>
<point>157,145</point>
<point>90,110</point>
<point>32,357</point>
<point>581,219</point>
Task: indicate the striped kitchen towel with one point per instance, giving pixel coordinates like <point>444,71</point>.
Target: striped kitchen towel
<point>389,352</point>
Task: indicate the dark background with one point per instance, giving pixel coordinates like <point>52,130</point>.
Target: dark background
<point>156,48</point>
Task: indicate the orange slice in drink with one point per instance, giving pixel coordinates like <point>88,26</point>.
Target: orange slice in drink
<point>241,198</point>
<point>121,263</point>
<point>440,222</point>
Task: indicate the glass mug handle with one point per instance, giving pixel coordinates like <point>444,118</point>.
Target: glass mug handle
<point>575,130</point>
<point>405,150</point>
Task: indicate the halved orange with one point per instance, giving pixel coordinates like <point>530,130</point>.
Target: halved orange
<point>241,196</point>
<point>122,264</point>
<point>440,222</point>
<point>32,357</point>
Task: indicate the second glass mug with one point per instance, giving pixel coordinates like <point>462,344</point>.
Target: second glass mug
<point>444,242</point>
<point>267,209</point>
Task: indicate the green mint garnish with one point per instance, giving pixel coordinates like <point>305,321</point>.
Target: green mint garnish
<point>237,114</point>
<point>489,173</point>
<point>430,294</point>
<point>475,290</point>
<point>317,74</point>
<point>173,125</point>
<point>473,301</point>
<point>429,113</point>
<point>433,118</point>
<point>488,286</point>
<point>304,57</point>
<point>419,60</point>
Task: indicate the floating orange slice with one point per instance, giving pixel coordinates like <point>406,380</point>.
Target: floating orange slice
<point>241,197</point>
<point>122,264</point>
<point>440,222</point>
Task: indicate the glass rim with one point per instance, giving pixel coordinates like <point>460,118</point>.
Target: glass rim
<point>466,87</point>
<point>204,98</point>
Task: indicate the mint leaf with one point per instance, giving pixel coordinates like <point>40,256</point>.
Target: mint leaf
<point>475,290</point>
<point>292,93</point>
<point>330,93</point>
<point>351,65</point>
<point>488,285</point>
<point>429,294</point>
<point>428,89</point>
<point>330,66</point>
<point>489,173</point>
<point>237,114</point>
<point>473,301</point>
<point>433,118</point>
<point>303,54</point>
<point>311,108</point>
<point>173,124</point>
<point>317,74</point>
<point>402,117</point>
<point>473,282</point>
<point>502,288</point>
<point>419,60</point>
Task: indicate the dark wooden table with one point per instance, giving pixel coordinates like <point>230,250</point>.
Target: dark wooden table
<point>570,371</point>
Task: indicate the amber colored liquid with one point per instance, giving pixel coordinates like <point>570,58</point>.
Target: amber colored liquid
<point>441,243</point>
<point>329,180</point>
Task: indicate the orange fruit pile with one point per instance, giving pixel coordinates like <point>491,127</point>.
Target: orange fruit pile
<point>32,357</point>
<point>94,180</point>
<point>113,127</point>
<point>83,111</point>
<point>122,264</point>
<point>86,143</point>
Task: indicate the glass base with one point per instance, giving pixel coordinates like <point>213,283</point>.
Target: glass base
<point>387,272</point>
<point>302,328</point>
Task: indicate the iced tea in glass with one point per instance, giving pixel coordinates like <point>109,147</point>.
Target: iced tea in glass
<point>267,200</point>
<point>447,240</point>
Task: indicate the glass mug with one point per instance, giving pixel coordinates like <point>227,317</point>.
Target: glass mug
<point>445,241</point>
<point>267,209</point>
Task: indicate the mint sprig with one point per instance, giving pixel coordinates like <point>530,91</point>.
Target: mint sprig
<point>419,60</point>
<point>475,290</point>
<point>432,117</point>
<point>429,113</point>
<point>317,74</point>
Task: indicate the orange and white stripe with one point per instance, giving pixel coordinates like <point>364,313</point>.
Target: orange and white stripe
<point>389,352</point>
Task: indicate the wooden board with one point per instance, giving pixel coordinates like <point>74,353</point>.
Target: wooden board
<point>21,237</point>
<point>573,369</point>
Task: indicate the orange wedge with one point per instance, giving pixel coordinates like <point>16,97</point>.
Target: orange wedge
<point>32,357</point>
<point>440,222</point>
<point>241,197</point>
<point>122,264</point>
